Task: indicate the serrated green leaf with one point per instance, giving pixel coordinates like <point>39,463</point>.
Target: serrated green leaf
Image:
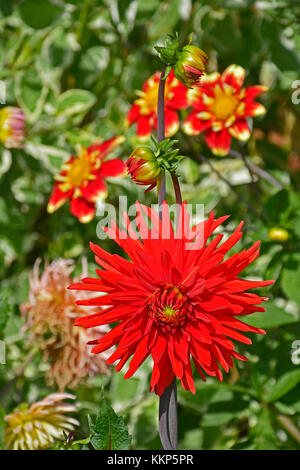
<point>110,432</point>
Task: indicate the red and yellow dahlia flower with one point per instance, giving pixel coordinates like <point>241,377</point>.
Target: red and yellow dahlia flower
<point>220,107</point>
<point>143,111</point>
<point>12,127</point>
<point>176,298</point>
<point>82,179</point>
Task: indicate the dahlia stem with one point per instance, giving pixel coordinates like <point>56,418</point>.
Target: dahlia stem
<point>255,188</point>
<point>178,196</point>
<point>257,170</point>
<point>161,129</point>
<point>168,400</point>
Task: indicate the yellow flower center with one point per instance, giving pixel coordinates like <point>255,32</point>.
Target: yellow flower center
<point>224,106</point>
<point>168,313</point>
<point>147,100</point>
<point>79,169</point>
<point>169,307</point>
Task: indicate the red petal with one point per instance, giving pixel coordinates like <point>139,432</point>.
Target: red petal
<point>240,130</point>
<point>193,125</point>
<point>144,127</point>
<point>115,167</point>
<point>234,75</point>
<point>82,209</point>
<point>107,146</point>
<point>133,114</point>
<point>171,122</point>
<point>252,92</point>
<point>58,198</point>
<point>218,142</point>
<point>95,190</point>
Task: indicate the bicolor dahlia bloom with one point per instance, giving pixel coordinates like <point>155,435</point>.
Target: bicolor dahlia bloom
<point>176,298</point>
<point>144,168</point>
<point>221,106</point>
<point>12,127</point>
<point>40,425</point>
<point>49,313</point>
<point>82,179</point>
<point>143,112</point>
<point>190,65</point>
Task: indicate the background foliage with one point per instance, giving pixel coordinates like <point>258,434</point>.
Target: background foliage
<point>73,67</point>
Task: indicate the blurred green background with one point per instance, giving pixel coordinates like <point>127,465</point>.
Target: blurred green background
<point>73,67</point>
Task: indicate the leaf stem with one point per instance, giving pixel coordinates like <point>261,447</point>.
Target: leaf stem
<point>221,177</point>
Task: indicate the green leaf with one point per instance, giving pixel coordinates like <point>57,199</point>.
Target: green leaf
<point>52,157</point>
<point>217,419</point>
<point>39,14</point>
<point>4,313</point>
<point>277,206</point>
<point>110,432</point>
<point>75,101</point>
<point>284,384</point>
<point>31,93</point>
<point>290,279</point>
<point>273,317</point>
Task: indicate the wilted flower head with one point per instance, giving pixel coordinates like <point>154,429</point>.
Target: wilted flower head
<point>176,298</point>
<point>50,312</point>
<point>221,106</point>
<point>12,127</point>
<point>82,179</point>
<point>40,425</point>
<point>190,65</point>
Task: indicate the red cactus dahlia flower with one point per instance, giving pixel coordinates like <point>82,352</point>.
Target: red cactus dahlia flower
<point>143,111</point>
<point>82,179</point>
<point>220,107</point>
<point>173,303</point>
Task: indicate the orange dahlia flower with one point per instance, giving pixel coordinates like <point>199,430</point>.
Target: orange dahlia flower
<point>49,313</point>
<point>220,107</point>
<point>143,111</point>
<point>82,179</point>
<point>40,425</point>
<point>172,302</point>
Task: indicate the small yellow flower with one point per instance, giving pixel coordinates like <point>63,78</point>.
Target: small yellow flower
<point>40,425</point>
